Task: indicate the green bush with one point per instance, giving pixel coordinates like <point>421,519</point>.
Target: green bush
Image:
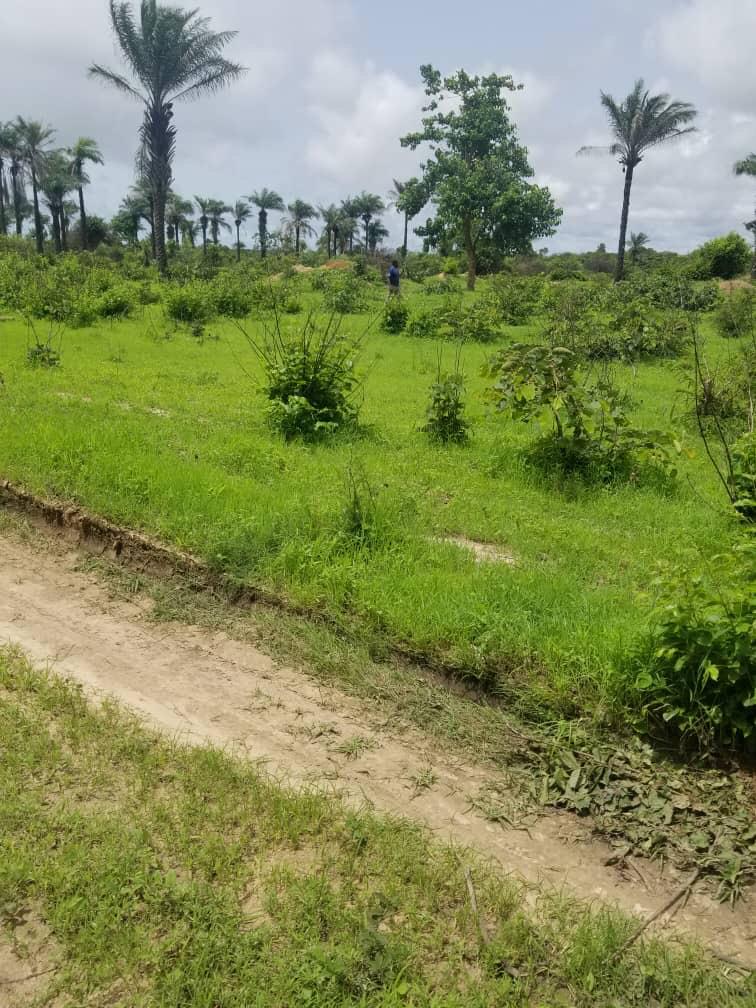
<point>590,431</point>
<point>516,300</point>
<point>345,293</point>
<point>697,670</point>
<point>668,289</point>
<point>743,454</point>
<point>420,265</point>
<point>636,331</point>
<point>722,258</point>
<point>445,419</point>
<point>736,315</point>
<point>476,323</point>
<point>425,325</point>
<point>394,315</point>
<point>311,381</point>
<point>230,296</point>
<point>191,303</point>
<point>443,284</point>
<point>116,302</point>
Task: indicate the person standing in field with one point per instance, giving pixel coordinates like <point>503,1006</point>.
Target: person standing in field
<point>393,277</point>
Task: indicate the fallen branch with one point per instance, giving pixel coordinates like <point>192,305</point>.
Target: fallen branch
<point>659,913</point>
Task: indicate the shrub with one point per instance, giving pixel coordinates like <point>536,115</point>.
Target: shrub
<point>516,300</point>
<point>190,303</point>
<point>722,258</point>
<point>442,284</point>
<point>697,673</point>
<point>445,421</point>
<point>395,314</point>
<point>425,325</point>
<point>420,265</point>
<point>477,323</point>
<point>116,302</point>
<point>345,293</point>
<point>311,382</point>
<point>230,297</point>
<point>637,330</point>
<point>667,289</point>
<point>736,315</point>
<point>590,431</point>
<point>743,476</point>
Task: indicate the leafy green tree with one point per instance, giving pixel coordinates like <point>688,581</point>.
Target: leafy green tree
<point>638,245</point>
<point>640,122</point>
<point>84,151</point>
<point>242,212</point>
<point>408,198</point>
<point>298,221</point>
<point>98,233</point>
<point>376,232</point>
<point>127,223</point>
<point>34,140</point>
<point>172,55</point>
<point>478,171</point>
<point>348,225</point>
<point>218,211</point>
<point>177,210</point>
<point>366,206</point>
<point>331,216</point>
<point>265,200</point>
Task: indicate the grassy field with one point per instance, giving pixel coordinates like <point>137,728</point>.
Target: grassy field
<point>150,427</point>
<point>137,872</point>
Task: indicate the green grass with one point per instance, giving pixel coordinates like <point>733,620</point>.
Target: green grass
<point>170,876</point>
<point>151,428</point>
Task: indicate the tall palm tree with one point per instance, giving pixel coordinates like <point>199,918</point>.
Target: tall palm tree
<point>84,151</point>
<point>265,200</point>
<point>408,198</point>
<point>638,245</point>
<point>348,227</point>
<point>176,211</point>
<point>34,140</point>
<point>330,215</point>
<point>638,123</point>
<point>218,211</point>
<point>189,231</point>
<point>7,140</point>
<point>172,54</point>
<point>56,182</point>
<point>376,233</point>
<point>298,221</point>
<point>367,206</point>
<point>242,212</point>
<point>204,205</point>
<point>10,141</point>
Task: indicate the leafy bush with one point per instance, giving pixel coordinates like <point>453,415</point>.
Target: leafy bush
<point>230,296</point>
<point>395,314</point>
<point>736,315</point>
<point>444,416</point>
<point>345,293</point>
<point>190,303</point>
<point>666,289</point>
<point>311,381</point>
<point>743,476</point>
<point>420,265</point>
<point>637,330</point>
<point>442,284</point>
<point>697,670</point>
<point>722,258</point>
<point>477,323</point>
<point>116,302</point>
<point>425,325</point>
<point>517,300</point>
<point>590,431</point>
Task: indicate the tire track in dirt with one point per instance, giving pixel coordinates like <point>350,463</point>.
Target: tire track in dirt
<point>203,686</point>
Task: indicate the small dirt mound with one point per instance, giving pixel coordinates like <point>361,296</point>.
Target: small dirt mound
<point>482,551</point>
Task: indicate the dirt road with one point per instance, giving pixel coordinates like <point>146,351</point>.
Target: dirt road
<point>203,686</point>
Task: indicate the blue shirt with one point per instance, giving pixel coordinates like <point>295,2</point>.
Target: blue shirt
<point>393,276</point>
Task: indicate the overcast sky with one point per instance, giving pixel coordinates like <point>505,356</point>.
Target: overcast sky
<point>332,84</point>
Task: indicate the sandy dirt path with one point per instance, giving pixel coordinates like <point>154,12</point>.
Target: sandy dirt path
<point>202,686</point>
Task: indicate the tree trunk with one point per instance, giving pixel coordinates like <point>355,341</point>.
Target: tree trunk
<point>238,242</point>
<point>620,270</point>
<point>470,251</point>
<point>3,218</point>
<point>296,241</point>
<point>37,215</point>
<point>55,227</point>
<point>63,230</point>
<point>406,228</point>
<point>159,232</point>
<point>262,220</point>
<point>16,199</point>
<point>153,242</point>
<point>204,236</point>
<point>83,220</point>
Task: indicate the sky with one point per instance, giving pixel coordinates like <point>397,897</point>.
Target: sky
<point>332,84</point>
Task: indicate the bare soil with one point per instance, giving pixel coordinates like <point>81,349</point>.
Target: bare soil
<point>202,686</point>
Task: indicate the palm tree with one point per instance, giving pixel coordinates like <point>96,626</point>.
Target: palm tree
<point>367,205</point>
<point>176,210</point>
<point>408,198</point>
<point>11,151</point>
<point>204,205</point>
<point>330,215</point>
<point>34,139</point>
<point>84,150</point>
<point>298,221</point>
<point>348,225</point>
<point>218,210</point>
<point>638,245</point>
<point>7,140</point>
<point>376,233</point>
<point>189,231</point>
<point>56,182</point>
<point>242,212</point>
<point>265,200</point>
<point>133,210</point>
<point>640,122</point>
<point>172,54</point>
